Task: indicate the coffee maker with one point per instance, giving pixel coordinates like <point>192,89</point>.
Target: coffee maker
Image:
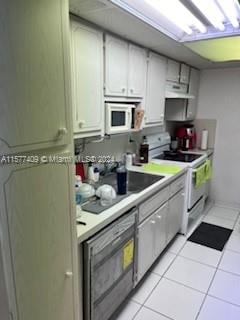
<point>187,137</point>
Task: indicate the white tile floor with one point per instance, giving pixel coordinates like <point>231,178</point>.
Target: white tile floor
<point>192,282</point>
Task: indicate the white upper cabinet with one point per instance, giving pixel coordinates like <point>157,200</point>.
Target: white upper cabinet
<point>125,69</point>
<point>177,72</point>
<point>87,80</point>
<point>34,77</point>
<point>184,74</point>
<point>173,70</point>
<point>116,67</point>
<point>193,90</point>
<point>137,71</point>
<point>155,96</point>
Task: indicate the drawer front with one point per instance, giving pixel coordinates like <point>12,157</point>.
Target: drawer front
<point>153,203</point>
<point>177,185</point>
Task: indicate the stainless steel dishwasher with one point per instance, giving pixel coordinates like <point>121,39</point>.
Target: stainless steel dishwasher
<point>109,267</point>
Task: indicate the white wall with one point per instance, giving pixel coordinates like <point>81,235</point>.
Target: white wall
<point>219,99</point>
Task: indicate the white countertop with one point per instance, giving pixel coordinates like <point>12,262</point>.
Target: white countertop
<point>208,152</point>
<point>96,222</point>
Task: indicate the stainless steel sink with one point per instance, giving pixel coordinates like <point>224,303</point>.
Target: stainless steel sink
<point>137,181</point>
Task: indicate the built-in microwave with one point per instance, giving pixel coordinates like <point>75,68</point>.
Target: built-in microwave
<point>118,117</point>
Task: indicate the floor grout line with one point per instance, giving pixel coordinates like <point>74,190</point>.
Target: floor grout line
<point>149,272</point>
<point>169,265</point>
<point>236,222</point>
<point>227,249</point>
<point>202,263</point>
<point>229,272</point>
<point>185,285</point>
<point>178,254</point>
<point>227,219</point>
<point>217,298</point>
<point>137,312</point>
<point>209,287</point>
<point>162,314</point>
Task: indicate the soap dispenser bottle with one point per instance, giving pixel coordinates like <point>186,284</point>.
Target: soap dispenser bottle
<point>91,175</point>
<point>144,150</point>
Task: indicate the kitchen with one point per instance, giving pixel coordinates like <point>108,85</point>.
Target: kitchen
<point>150,106</point>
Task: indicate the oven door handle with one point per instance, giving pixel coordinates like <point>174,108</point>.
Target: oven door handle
<point>202,165</point>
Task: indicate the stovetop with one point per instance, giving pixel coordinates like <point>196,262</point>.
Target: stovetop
<point>178,156</point>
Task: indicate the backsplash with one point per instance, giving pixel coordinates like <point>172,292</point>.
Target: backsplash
<point>117,145</point>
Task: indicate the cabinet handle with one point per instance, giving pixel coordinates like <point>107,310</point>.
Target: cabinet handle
<point>81,123</point>
<point>131,90</point>
<point>62,132</point>
<point>68,274</point>
<point>123,89</point>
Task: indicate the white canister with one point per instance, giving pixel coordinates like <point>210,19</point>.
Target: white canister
<point>204,139</point>
<point>128,160</point>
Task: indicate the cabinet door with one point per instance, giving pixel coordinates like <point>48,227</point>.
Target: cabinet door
<point>87,76</point>
<point>34,77</point>
<point>184,73</point>
<point>137,71</point>
<point>193,89</point>
<point>173,70</point>
<point>160,232</point>
<point>156,82</point>
<point>3,292</point>
<point>116,67</point>
<point>146,245</point>
<point>175,215</point>
<point>36,212</point>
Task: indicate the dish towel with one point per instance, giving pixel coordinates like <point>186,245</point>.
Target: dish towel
<point>162,168</point>
<point>208,170</point>
<point>200,176</point>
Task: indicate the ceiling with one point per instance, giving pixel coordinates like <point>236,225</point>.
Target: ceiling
<point>221,49</point>
<point>113,19</point>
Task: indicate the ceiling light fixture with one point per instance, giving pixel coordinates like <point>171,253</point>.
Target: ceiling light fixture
<point>212,12</point>
<point>229,8</point>
<point>178,14</point>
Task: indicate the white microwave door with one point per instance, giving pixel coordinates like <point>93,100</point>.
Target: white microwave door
<point>119,120</point>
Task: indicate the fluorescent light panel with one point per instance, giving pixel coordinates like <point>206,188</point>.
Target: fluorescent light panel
<point>211,11</point>
<point>230,9</point>
<point>178,14</point>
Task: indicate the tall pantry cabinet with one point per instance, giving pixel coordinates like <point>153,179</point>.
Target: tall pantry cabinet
<point>38,247</point>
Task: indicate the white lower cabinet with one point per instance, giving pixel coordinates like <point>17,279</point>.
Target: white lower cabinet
<point>160,236</point>
<point>151,239</point>
<point>160,219</point>
<point>175,215</point>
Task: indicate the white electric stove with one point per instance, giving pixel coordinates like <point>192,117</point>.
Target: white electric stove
<point>159,152</point>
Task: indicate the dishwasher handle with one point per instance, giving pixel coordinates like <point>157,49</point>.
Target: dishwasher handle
<point>113,233</point>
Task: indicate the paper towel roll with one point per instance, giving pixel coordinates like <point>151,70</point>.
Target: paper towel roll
<point>204,140</point>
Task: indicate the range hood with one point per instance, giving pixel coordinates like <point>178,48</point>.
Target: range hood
<point>176,95</point>
<point>177,91</point>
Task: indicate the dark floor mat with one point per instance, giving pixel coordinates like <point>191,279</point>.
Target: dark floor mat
<point>211,236</point>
